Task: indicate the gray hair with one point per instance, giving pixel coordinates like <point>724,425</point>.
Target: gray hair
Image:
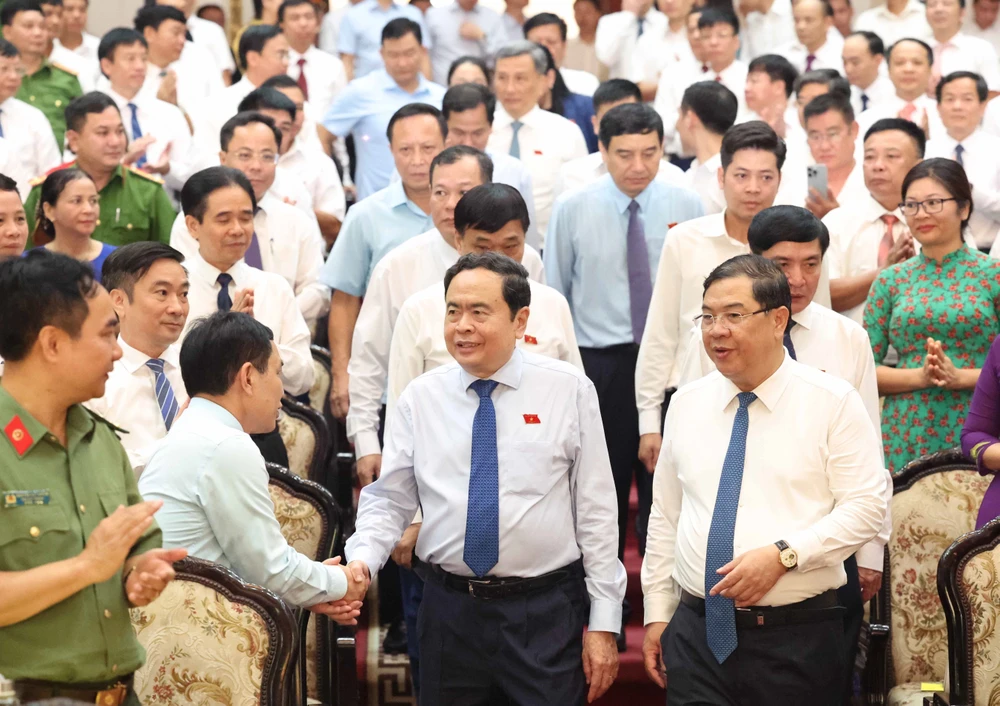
<point>522,47</point>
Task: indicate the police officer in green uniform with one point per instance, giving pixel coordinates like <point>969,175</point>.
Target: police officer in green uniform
<point>78,546</point>
<point>47,86</point>
<point>134,206</point>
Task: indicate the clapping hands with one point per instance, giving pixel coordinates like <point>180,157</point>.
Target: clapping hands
<point>346,610</point>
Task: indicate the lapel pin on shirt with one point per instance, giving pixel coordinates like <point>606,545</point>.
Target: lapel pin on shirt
<point>532,419</point>
<point>538,152</point>
<point>530,339</point>
<point>19,437</point>
<point>671,225</point>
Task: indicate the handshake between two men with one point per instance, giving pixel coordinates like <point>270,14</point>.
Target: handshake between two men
<point>346,610</point>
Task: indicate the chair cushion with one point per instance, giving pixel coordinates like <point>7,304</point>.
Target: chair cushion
<point>320,390</point>
<point>926,519</point>
<point>300,521</point>
<point>908,694</point>
<point>201,648</point>
<point>300,443</point>
<point>981,584</point>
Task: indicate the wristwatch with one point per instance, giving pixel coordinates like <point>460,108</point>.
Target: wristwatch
<point>789,558</point>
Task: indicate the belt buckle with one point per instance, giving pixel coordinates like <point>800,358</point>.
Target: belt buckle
<point>115,696</point>
<point>473,583</point>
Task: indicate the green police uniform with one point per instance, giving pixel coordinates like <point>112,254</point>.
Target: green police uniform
<point>50,89</point>
<point>51,499</point>
<point>134,207</point>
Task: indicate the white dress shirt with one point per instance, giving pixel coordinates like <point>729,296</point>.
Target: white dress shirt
<point>891,107</point>
<point>213,483</point>
<point>822,492</point>
<point>407,269</point>
<point>582,82</point>
<point>273,305</point>
<point>655,51</point>
<point>763,31</point>
<point>618,35</point>
<point>828,56</point>
<point>691,251</point>
<point>673,83</point>
<point>196,87</point>
<point>210,36</point>
<point>879,92</point>
<point>979,158</point>
<point>31,144</point>
<point>587,170</point>
<point>991,121</point>
<point>966,53</point>
<point>325,75</point>
<point>130,402</point>
<point>86,70</point>
<point>557,497</point>
<point>991,34</point>
<point>704,178</point>
<point>214,113</point>
<point>87,49</point>
<point>318,175</point>
<point>290,246</point>
<point>418,344</point>
<point>547,141</point>
<point>911,22</point>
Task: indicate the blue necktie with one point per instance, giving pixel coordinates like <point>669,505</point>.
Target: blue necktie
<point>136,132</point>
<point>164,392</point>
<point>640,282</point>
<point>482,523</point>
<point>720,612</point>
<point>958,155</point>
<point>1,125</point>
<point>788,339</point>
<point>864,102</point>
<point>225,302</point>
<point>515,145</point>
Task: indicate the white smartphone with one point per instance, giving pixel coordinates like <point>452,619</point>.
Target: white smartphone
<point>816,178</point>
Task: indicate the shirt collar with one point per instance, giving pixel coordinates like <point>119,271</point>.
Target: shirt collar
<point>133,359</point>
<point>872,210</point>
<point>622,200</point>
<point>209,273</point>
<point>395,196</point>
<point>807,317</point>
<point>201,406</point>
<point>768,392</point>
<point>509,374</point>
<point>79,423</point>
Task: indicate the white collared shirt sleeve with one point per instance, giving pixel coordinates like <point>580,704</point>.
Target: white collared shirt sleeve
<point>616,34</point>
<point>293,341</point>
<point>181,238</point>
<point>406,355</point>
<point>312,296</point>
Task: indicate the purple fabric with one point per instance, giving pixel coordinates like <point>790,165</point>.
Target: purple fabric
<point>640,281</point>
<point>252,255</point>
<point>982,429</point>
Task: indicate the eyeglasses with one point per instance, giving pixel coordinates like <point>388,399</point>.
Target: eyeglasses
<point>818,138</point>
<point>728,320</point>
<point>263,157</point>
<point>719,36</point>
<point>911,208</point>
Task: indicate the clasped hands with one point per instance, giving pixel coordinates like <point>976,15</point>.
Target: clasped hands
<point>939,370</point>
<point>346,610</point>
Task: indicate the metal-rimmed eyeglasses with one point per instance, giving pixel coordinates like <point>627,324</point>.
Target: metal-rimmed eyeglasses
<point>728,320</point>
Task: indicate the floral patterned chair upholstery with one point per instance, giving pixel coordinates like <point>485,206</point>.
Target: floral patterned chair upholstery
<point>319,394</point>
<point>310,523</point>
<point>307,440</point>
<point>969,584</point>
<point>935,500</point>
<point>213,640</point>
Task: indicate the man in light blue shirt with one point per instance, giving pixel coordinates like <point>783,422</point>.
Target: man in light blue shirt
<point>376,225</point>
<point>364,108</point>
<point>360,37</point>
<point>212,479</point>
<point>602,249</point>
<point>462,28</point>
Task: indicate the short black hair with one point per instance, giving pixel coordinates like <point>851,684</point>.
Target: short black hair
<point>93,103</point>
<point>515,287</point>
<point>287,4</point>
<point>904,126</point>
<point>152,16</point>
<point>949,174</point>
<point>616,90</point>
<point>455,153</point>
<point>468,96</point>
<point>777,68</point>
<point>128,264</point>
<point>399,28</point>
<point>38,290</point>
<point>595,3</point>
<point>118,37</point>
<point>12,8</point>
<point>752,135</point>
<point>255,38</point>
<point>413,109</point>
<point>242,120</point>
<point>827,102</point>
<point>921,42</point>
<point>474,60</point>
<point>8,184</point>
<point>981,89</point>
<point>630,119</point>
<point>267,99</point>
<point>217,347</point>
<point>720,15</point>
<point>489,208</point>
<point>875,44</point>
<point>200,185</point>
<point>8,50</point>
<point>545,18</point>
<point>769,284</point>
<point>281,81</point>
<point>53,186</point>
<point>714,104</point>
<point>831,78</point>
<point>779,224</point>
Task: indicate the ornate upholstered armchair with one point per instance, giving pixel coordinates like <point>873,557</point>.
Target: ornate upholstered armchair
<point>969,584</point>
<point>211,638</point>
<point>307,440</point>
<point>935,500</point>
<point>319,394</point>
<point>340,481</point>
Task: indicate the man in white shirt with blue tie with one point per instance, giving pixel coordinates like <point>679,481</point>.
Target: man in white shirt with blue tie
<point>746,544</point>
<point>504,452</point>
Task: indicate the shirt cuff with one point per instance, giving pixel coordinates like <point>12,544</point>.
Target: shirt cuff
<point>369,559</point>
<point>808,548</point>
<point>605,616</point>
<point>366,444</point>
<point>871,556</point>
<point>650,421</point>
<point>660,607</point>
<point>338,583</point>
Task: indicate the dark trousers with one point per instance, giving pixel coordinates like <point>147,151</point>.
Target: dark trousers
<point>849,596</point>
<point>783,664</point>
<point>519,651</point>
<point>612,370</point>
<point>413,592</point>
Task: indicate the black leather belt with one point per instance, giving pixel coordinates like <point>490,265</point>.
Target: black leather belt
<point>108,694</point>
<point>494,587</point>
<point>817,609</point>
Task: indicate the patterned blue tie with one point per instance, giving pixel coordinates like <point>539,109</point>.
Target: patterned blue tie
<point>482,523</point>
<point>515,145</point>
<point>164,392</point>
<point>720,612</point>
<point>136,132</point>
<point>225,301</point>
